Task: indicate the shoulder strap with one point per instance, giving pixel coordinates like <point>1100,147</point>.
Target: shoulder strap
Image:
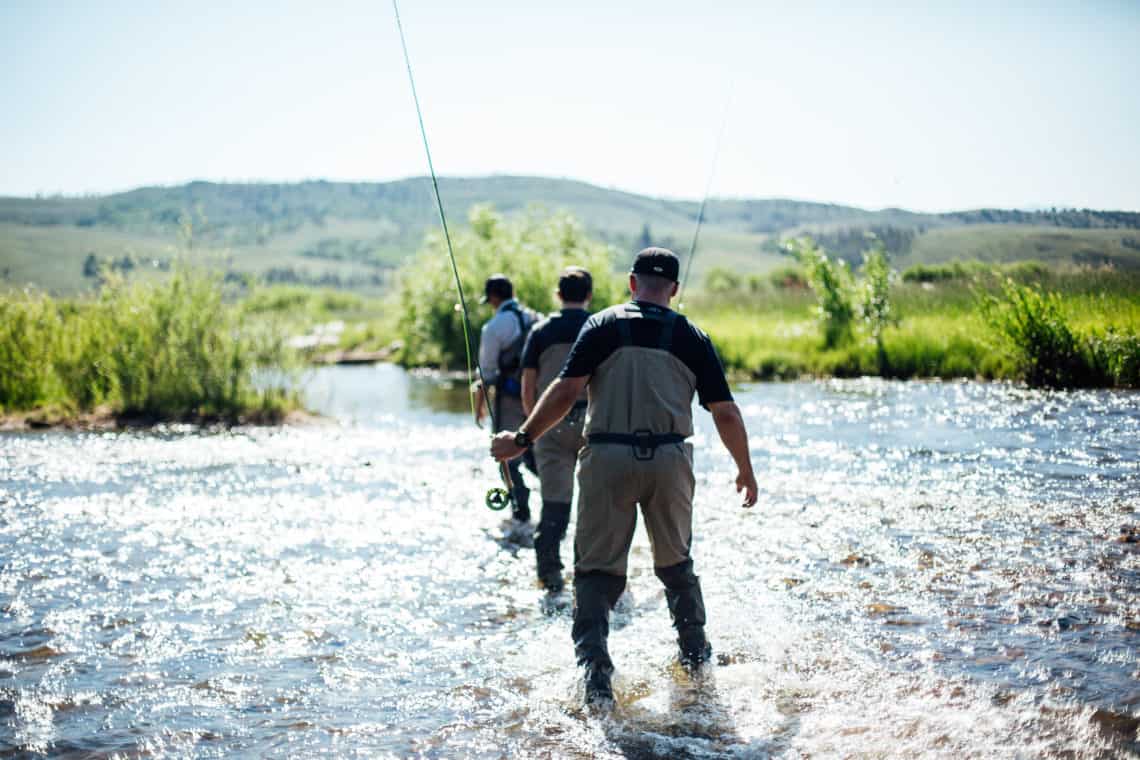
<point>667,320</point>
<point>623,316</point>
<point>667,323</point>
<point>514,309</point>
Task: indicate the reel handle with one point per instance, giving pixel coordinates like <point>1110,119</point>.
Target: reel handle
<point>497,499</point>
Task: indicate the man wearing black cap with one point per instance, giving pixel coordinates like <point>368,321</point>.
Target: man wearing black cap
<point>643,363</point>
<point>543,356</point>
<point>500,352</point>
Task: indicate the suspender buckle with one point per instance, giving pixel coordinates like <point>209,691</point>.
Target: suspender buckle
<point>644,445</point>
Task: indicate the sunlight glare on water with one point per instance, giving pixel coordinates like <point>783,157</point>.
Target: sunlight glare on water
<point>933,569</point>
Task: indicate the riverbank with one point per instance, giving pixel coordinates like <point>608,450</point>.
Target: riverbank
<point>145,352</point>
<point>1077,328</point>
<point>105,419</point>
<point>186,351</point>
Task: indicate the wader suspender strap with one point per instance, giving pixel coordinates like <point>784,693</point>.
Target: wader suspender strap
<point>623,331</point>
<point>667,322</point>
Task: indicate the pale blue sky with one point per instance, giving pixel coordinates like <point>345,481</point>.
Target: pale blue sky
<point>926,106</point>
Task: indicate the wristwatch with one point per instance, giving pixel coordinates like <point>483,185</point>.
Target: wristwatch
<point>522,439</point>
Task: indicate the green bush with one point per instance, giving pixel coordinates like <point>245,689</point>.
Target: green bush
<point>831,282</point>
<point>532,250</point>
<point>29,329</point>
<point>167,350</point>
<point>955,270</point>
<point>875,297</point>
<point>1051,352</point>
<point>1021,271</point>
<point>788,278</point>
<point>1035,327</point>
<point>720,281</point>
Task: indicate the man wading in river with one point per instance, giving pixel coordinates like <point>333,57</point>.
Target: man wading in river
<point>643,363</point>
<point>500,354</point>
<point>543,357</point>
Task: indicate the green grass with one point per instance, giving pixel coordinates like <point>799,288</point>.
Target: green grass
<point>165,350</point>
<point>944,331</point>
<point>1000,244</point>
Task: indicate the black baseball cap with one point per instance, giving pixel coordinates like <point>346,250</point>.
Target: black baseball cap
<point>498,285</point>
<point>657,261</point>
<point>575,284</point>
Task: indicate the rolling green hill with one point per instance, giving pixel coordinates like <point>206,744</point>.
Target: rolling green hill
<point>351,235</point>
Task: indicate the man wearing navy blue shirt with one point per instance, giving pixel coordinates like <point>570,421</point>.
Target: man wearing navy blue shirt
<point>544,355</point>
<point>642,363</point>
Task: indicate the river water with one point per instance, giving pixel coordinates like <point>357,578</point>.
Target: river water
<point>934,569</point>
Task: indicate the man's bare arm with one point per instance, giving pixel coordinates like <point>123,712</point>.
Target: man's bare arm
<point>529,388</point>
<point>730,425</point>
<point>558,399</point>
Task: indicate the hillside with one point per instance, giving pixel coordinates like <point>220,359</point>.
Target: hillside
<point>351,235</point>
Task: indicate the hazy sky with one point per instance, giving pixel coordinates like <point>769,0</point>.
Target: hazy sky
<point>943,106</point>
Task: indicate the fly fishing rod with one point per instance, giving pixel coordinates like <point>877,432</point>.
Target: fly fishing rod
<point>704,202</point>
<point>496,498</point>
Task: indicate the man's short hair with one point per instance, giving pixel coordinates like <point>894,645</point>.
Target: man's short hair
<point>654,283</point>
<point>499,286</point>
<point>575,284</point>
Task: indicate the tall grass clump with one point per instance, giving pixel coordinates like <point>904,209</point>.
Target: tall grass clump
<point>29,328</point>
<point>532,250</point>
<point>166,350</point>
<point>1050,352</point>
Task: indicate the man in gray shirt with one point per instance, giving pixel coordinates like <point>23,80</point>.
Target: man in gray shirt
<point>500,360</point>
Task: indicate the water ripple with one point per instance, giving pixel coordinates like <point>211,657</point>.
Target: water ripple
<point>934,569</point>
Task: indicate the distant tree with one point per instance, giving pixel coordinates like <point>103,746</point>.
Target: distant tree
<point>645,239</point>
<point>91,266</point>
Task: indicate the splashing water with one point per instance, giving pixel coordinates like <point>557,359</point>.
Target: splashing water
<point>933,569</point>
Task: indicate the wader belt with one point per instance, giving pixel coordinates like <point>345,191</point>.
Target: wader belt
<point>643,442</point>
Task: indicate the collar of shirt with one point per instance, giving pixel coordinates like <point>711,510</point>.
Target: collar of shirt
<point>505,304</point>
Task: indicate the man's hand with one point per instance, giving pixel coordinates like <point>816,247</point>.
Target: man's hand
<point>503,447</point>
<point>730,425</point>
<point>746,482</point>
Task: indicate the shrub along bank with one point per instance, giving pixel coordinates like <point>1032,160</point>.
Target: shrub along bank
<point>1063,329</point>
<point>160,350</point>
<point>1023,321</point>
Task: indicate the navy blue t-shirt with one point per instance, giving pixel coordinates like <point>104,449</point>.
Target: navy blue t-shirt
<point>601,336</point>
<point>562,327</point>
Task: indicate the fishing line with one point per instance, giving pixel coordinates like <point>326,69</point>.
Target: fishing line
<point>704,201</point>
<point>497,498</point>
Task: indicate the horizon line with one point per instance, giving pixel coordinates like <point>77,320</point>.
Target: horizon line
<point>63,195</point>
